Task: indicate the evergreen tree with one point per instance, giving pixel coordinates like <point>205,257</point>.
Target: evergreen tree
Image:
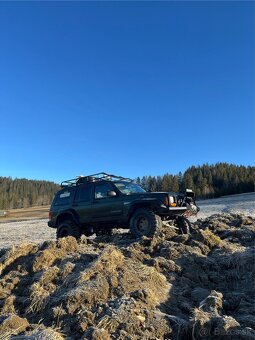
<point>20,193</point>
<point>207,181</point>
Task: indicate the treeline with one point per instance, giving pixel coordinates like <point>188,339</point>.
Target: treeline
<point>208,181</point>
<point>22,193</point>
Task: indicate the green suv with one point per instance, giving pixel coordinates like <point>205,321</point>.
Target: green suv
<point>100,202</point>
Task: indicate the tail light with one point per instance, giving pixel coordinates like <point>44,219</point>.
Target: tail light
<point>50,215</point>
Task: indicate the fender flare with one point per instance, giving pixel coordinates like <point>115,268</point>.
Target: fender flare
<point>69,213</point>
<point>153,204</point>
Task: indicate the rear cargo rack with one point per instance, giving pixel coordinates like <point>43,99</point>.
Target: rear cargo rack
<point>101,176</point>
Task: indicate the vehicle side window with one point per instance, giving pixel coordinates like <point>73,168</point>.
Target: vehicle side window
<point>101,190</point>
<point>64,197</point>
<point>83,193</point>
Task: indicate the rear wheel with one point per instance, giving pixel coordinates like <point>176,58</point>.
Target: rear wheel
<point>144,222</point>
<point>88,231</point>
<point>68,228</point>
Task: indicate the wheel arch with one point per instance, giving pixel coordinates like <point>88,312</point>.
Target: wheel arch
<point>67,215</point>
<point>152,205</point>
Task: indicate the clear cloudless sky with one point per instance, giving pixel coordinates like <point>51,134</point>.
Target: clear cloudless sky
<point>132,88</point>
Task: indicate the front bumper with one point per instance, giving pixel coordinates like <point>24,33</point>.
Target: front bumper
<point>187,210</point>
<point>172,211</point>
<point>180,209</point>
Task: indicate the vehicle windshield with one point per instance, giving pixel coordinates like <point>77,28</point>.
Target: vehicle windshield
<point>128,188</point>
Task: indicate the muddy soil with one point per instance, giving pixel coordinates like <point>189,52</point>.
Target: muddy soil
<point>170,286</point>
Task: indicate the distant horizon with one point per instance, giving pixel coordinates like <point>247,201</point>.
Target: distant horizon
<point>118,174</point>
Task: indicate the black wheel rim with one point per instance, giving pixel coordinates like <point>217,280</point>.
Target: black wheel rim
<point>142,224</point>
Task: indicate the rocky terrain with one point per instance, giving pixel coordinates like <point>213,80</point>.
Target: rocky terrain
<point>170,286</point>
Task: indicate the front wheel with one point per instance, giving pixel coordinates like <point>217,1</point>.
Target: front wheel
<point>184,225</point>
<point>144,222</point>
<point>68,228</point>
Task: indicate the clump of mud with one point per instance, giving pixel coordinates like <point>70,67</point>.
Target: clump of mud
<point>115,287</point>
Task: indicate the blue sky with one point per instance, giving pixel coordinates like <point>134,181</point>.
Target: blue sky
<point>132,88</point>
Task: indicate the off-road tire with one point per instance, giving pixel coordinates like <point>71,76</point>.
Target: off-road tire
<point>184,225</point>
<point>144,222</point>
<point>87,232</point>
<point>68,228</point>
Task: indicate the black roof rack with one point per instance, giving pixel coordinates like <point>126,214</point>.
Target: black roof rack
<point>101,176</point>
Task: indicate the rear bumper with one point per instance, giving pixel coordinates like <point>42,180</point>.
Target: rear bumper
<point>50,224</point>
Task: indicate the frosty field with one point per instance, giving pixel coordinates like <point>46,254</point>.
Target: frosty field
<point>244,203</point>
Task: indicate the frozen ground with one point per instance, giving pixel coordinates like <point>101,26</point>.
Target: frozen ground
<point>171,286</point>
<point>244,203</point>
<point>37,230</point>
<point>12,233</point>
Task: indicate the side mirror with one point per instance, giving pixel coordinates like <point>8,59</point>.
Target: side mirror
<point>111,193</point>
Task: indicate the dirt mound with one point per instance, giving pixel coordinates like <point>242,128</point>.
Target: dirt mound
<point>114,287</point>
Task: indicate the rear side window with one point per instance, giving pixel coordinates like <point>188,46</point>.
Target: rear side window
<point>83,193</point>
<point>101,190</point>
<point>64,197</point>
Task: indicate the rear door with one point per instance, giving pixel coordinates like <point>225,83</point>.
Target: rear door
<point>82,203</point>
<point>106,209</point>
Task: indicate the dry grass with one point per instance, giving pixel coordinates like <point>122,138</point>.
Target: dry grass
<point>211,240</point>
<point>26,214</point>
<point>123,288</point>
<point>14,253</point>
